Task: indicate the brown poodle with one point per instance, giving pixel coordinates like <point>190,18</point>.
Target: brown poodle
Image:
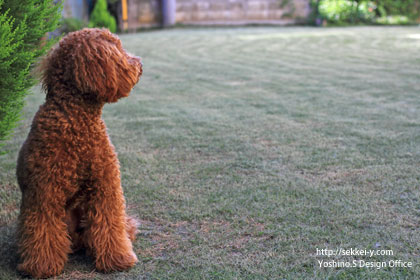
<point>67,169</point>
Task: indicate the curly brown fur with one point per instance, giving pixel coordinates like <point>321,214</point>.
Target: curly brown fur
<point>67,169</point>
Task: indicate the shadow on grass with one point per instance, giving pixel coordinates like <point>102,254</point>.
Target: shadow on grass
<point>8,253</point>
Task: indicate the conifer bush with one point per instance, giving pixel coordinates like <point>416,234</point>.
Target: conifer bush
<point>101,17</point>
<point>23,27</point>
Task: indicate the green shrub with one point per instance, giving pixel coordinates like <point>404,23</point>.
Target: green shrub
<point>100,17</point>
<point>366,11</point>
<point>336,10</point>
<point>393,20</point>
<point>408,8</point>
<point>353,11</point>
<point>72,24</point>
<point>23,28</point>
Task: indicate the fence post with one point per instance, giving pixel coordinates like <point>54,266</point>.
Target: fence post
<point>124,14</point>
<point>168,12</point>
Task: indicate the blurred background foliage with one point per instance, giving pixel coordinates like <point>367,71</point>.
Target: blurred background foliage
<point>341,12</point>
<point>71,24</point>
<point>101,17</point>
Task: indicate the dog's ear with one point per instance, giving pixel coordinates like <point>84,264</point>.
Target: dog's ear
<point>45,70</point>
<point>95,67</point>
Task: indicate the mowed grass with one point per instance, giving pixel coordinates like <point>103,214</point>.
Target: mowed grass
<point>243,150</point>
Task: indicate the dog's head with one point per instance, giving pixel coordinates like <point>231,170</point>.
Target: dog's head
<point>93,61</point>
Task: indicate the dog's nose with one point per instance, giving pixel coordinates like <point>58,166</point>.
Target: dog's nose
<point>140,63</point>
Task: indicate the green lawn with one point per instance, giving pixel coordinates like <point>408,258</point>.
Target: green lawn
<point>243,150</point>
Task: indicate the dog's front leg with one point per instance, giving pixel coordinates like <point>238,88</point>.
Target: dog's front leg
<point>106,231</point>
<point>43,240</point>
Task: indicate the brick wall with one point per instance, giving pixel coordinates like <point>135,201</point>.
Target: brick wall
<point>142,13</point>
<point>146,13</point>
<point>240,11</point>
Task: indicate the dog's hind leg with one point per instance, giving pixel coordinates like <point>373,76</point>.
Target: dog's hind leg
<point>131,225</point>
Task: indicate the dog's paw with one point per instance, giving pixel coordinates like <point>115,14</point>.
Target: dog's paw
<point>116,261</point>
<point>41,269</point>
